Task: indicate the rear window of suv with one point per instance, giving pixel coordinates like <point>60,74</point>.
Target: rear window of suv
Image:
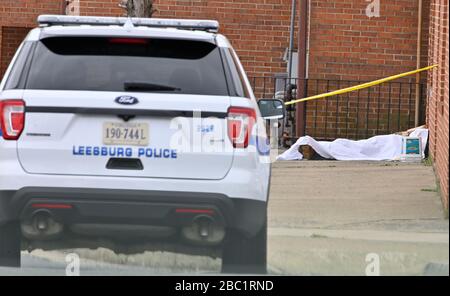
<point>109,64</point>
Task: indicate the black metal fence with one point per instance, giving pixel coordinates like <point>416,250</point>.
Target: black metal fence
<point>378,110</point>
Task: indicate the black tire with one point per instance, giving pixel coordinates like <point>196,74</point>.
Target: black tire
<point>10,239</point>
<point>243,254</point>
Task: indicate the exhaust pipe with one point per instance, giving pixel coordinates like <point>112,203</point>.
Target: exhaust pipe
<point>41,222</point>
<point>41,226</point>
<point>204,226</point>
<point>204,230</point>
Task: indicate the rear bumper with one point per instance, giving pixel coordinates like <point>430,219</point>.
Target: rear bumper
<point>132,207</point>
<point>247,179</point>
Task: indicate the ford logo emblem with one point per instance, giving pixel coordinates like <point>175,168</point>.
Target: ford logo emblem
<point>126,100</point>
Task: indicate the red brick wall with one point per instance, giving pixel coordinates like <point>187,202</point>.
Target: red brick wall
<point>11,37</point>
<point>100,7</point>
<point>348,45</point>
<point>345,44</point>
<point>23,13</point>
<point>16,19</point>
<point>438,100</point>
<point>258,30</point>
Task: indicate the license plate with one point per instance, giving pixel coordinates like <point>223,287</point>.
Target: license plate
<point>132,134</point>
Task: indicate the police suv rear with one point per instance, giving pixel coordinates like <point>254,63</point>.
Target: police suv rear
<point>134,134</point>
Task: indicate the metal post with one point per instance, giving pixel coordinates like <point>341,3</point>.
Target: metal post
<point>302,79</point>
<point>418,57</point>
<point>291,39</point>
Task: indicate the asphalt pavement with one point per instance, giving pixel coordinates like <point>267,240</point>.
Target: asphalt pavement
<point>325,218</point>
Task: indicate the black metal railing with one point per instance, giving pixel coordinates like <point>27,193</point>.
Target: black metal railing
<point>382,109</point>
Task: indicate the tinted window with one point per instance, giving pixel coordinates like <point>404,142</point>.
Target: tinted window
<point>107,64</point>
<point>235,76</point>
<point>242,84</point>
<point>236,85</point>
<point>15,76</point>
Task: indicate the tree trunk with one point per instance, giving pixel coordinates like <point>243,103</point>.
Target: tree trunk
<point>139,8</point>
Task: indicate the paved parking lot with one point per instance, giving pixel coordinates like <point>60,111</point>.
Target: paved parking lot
<point>324,218</point>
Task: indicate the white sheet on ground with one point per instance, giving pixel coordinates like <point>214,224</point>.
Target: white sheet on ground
<point>387,147</point>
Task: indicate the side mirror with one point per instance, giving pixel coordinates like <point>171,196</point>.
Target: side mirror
<point>272,108</point>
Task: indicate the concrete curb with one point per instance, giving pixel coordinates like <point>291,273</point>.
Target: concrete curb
<point>436,269</point>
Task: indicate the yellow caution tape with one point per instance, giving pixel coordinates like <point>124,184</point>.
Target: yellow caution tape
<point>360,86</point>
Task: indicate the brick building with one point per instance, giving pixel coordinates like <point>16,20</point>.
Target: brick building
<point>346,46</point>
<point>260,32</point>
<point>344,42</point>
<point>17,17</point>
<point>341,42</point>
<point>437,113</point>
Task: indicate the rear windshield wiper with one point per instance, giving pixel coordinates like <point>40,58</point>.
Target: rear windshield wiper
<point>145,86</point>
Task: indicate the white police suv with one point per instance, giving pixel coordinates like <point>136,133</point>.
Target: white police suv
<point>133,134</point>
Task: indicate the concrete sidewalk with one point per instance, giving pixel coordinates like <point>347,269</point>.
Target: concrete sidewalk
<point>326,216</point>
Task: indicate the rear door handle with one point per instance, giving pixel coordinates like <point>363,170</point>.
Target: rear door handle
<point>125,164</point>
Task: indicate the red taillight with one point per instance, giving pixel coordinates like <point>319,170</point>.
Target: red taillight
<point>194,211</point>
<point>52,206</point>
<point>240,125</point>
<point>12,118</point>
<point>128,41</point>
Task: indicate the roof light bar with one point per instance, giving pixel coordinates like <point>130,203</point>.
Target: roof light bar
<point>203,25</point>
